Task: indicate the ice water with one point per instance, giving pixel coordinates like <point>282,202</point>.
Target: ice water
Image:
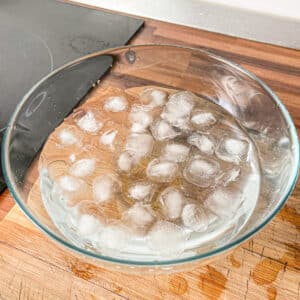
<point>148,175</point>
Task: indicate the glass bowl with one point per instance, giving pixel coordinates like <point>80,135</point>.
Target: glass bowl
<point>257,109</point>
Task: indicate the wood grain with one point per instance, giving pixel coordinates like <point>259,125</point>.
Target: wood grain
<point>266,267</point>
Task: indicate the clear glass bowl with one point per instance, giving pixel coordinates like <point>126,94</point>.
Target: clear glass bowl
<point>235,89</point>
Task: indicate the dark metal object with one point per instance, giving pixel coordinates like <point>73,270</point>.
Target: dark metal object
<point>39,36</point>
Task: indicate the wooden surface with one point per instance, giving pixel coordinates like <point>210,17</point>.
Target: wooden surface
<point>267,267</point>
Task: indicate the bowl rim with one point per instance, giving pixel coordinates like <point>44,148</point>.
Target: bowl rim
<point>17,197</point>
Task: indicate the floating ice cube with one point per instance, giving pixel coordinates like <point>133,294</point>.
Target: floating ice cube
<point>232,150</point>
<point>89,121</point>
<point>205,143</point>
<point>162,170</point>
<point>67,137</point>
<point>83,167</point>
<point>70,183</point>
<point>139,215</point>
<point>114,237</point>
<point>224,203</point>
<point>115,104</point>
<point>166,238</point>
<point>125,161</point>
<point>175,152</point>
<point>178,109</point>
<point>172,202</point>
<point>104,187</point>
<point>140,118</point>
<point>201,171</point>
<point>72,158</point>
<point>108,137</point>
<point>88,225</point>
<point>140,191</point>
<point>153,97</point>
<point>203,119</point>
<point>194,217</point>
<point>139,144</point>
<point>230,175</point>
<point>162,130</point>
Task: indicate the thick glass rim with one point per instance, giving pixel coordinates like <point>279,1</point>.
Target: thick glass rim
<point>17,196</point>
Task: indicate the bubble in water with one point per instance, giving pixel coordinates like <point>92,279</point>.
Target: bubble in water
<point>139,215</point>
<point>194,217</point>
<point>89,121</point>
<point>201,171</point>
<point>162,130</point>
<point>175,152</point>
<point>178,109</point>
<point>139,144</point>
<point>223,202</point>
<point>153,97</point>
<point>140,118</point>
<point>203,119</point>
<point>83,167</point>
<point>172,202</point>
<point>166,238</point>
<point>114,237</point>
<point>104,187</point>
<point>115,104</point>
<point>162,170</point>
<point>140,191</point>
<point>232,150</point>
<point>205,143</point>
<point>108,137</point>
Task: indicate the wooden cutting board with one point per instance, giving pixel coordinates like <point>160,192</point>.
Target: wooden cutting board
<point>266,267</point>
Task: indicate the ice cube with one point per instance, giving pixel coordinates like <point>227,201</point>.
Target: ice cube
<point>139,215</point>
<point>139,144</point>
<point>108,137</point>
<point>116,104</point>
<point>194,217</point>
<point>230,175</point>
<point>162,130</point>
<point>104,187</point>
<point>125,161</point>
<point>201,171</point>
<point>140,118</point>
<point>153,97</point>
<point>203,119</point>
<point>140,191</point>
<point>89,121</point>
<point>166,238</point>
<point>178,109</point>
<point>175,152</point>
<point>70,183</point>
<point>67,137</point>
<point>70,189</point>
<point>83,167</point>
<point>232,150</point>
<point>72,157</point>
<point>172,202</point>
<point>162,170</point>
<point>114,237</point>
<point>223,202</point>
<point>205,143</point>
<point>88,225</point>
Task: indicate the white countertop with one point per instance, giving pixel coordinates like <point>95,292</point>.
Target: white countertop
<point>271,21</point>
